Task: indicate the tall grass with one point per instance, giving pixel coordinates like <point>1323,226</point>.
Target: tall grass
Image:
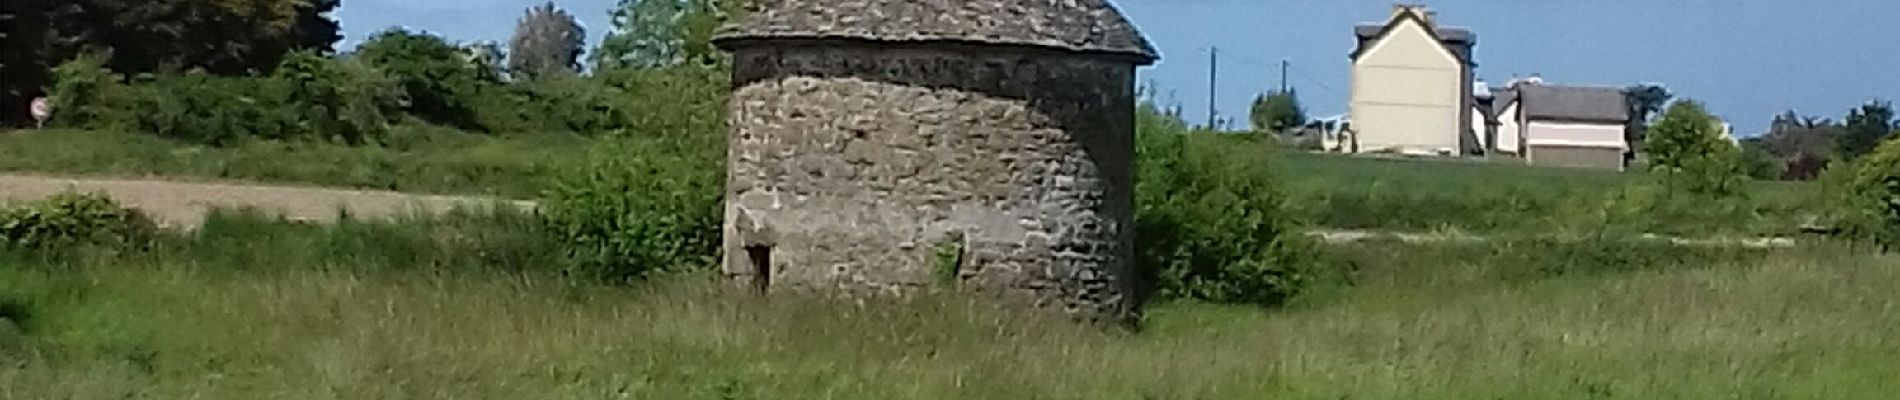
<point>372,310</point>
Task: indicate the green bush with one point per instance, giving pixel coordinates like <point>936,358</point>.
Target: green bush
<point>442,84</point>
<point>649,201</point>
<point>310,98</point>
<point>556,103</point>
<point>1866,196</point>
<point>644,206</point>
<point>85,93</point>
<point>339,100</point>
<point>218,111</point>
<point>1212,223</point>
<point>74,219</point>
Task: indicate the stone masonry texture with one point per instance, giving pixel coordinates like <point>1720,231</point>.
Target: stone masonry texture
<point>877,167</point>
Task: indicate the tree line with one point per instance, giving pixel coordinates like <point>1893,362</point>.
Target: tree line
<point>254,38</point>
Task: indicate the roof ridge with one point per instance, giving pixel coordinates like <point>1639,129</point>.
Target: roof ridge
<point>1094,26</point>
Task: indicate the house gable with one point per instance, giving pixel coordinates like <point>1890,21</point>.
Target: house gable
<point>1410,24</point>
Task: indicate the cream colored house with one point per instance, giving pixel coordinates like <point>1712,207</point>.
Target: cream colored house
<point>1412,87</point>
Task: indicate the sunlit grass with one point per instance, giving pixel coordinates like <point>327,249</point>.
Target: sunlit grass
<point>1409,322</point>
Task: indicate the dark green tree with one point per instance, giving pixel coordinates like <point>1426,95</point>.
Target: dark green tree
<point>1645,102</point>
<point>1277,112</point>
<point>547,41</point>
<point>140,36</point>
<point>1865,127</point>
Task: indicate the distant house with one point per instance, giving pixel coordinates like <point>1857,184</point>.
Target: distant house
<point>1564,126</point>
<point>1412,87</point>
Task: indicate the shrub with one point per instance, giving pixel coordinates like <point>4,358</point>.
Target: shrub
<point>339,100</point>
<point>557,103</point>
<point>72,219</point>
<point>440,80</point>
<point>650,200</point>
<point>1866,196</point>
<point>218,111</point>
<point>643,206</point>
<point>1212,224</point>
<point>84,92</point>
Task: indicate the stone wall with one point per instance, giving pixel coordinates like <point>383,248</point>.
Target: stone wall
<point>886,170</point>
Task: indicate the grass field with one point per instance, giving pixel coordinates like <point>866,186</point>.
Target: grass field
<point>1419,195</point>
<point>464,308</point>
<point>417,160</point>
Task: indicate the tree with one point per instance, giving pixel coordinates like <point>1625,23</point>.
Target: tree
<point>547,41</point>
<point>1645,102</point>
<point>140,36</point>
<point>434,73</point>
<point>1277,112</point>
<point>663,33</point>
<point>1803,145</point>
<point>1865,127</point>
<point>1686,147</point>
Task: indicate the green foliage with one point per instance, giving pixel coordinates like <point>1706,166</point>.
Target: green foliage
<point>665,33</point>
<point>1759,163</point>
<point>73,219</point>
<point>1277,112</point>
<point>649,201</point>
<point>440,81</point>
<point>339,99</point>
<point>547,41</point>
<point>212,110</point>
<point>644,206</point>
<point>1211,219</point>
<point>1865,128</point>
<point>1686,146</point>
<point>1866,195</point>
<point>947,258</point>
<point>84,91</point>
<point>226,37</point>
<point>310,98</point>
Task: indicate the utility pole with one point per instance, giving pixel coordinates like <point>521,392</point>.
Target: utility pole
<point>1213,76</point>
<point>1283,66</point>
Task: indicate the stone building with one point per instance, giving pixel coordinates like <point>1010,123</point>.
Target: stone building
<point>883,146</point>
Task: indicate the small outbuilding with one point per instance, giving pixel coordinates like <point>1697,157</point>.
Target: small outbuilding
<point>886,146</point>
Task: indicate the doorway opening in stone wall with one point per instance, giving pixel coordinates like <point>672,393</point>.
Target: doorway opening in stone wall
<point>761,259</point>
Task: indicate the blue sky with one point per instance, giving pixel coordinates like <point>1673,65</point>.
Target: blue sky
<point>1748,59</point>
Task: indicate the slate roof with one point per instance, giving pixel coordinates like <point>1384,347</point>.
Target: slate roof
<point>1573,103</point>
<point>1501,98</point>
<point>1092,26</point>
<point>1458,40</point>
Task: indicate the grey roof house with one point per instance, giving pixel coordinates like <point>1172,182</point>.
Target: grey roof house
<point>1563,125</point>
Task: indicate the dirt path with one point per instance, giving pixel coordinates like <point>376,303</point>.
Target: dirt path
<point>185,204</point>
